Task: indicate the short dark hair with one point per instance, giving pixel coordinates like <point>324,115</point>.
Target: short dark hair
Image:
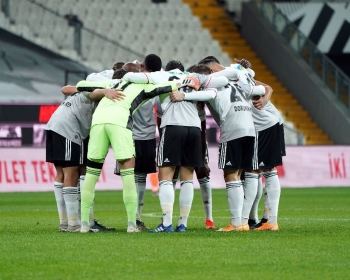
<point>152,63</point>
<point>209,59</point>
<point>174,64</point>
<point>118,65</point>
<point>201,69</point>
<point>190,69</point>
<point>119,73</point>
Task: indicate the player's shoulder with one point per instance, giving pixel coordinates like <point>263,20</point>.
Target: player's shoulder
<point>241,69</point>
<point>178,72</point>
<point>101,76</point>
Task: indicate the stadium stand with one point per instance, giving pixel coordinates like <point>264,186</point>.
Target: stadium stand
<point>223,29</point>
<point>127,31</point>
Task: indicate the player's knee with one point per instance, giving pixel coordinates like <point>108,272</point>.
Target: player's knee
<point>96,164</point>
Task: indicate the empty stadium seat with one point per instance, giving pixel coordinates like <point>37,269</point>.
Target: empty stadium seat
<point>165,28</point>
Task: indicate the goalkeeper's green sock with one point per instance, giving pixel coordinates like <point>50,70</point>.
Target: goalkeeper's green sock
<point>88,193</point>
<point>129,194</point>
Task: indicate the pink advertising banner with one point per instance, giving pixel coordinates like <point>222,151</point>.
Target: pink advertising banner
<point>25,169</point>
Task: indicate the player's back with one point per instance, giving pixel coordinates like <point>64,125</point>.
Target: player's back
<point>268,115</point>
<point>144,127</point>
<point>183,113</point>
<point>118,112</point>
<point>235,113</point>
<point>72,119</point>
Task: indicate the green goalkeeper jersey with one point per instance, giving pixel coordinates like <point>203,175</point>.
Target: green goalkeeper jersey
<point>120,112</point>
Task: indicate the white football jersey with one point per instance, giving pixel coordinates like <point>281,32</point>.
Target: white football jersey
<point>101,76</point>
<point>235,113</point>
<point>144,125</point>
<point>230,109</point>
<point>72,119</point>
<point>179,113</point>
<point>263,118</point>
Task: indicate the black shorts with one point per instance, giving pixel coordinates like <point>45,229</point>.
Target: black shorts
<point>282,142</point>
<point>145,161</point>
<point>269,148</point>
<point>63,152</point>
<point>180,146</point>
<point>237,153</point>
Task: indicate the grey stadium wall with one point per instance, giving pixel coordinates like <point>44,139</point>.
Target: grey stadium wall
<point>296,75</point>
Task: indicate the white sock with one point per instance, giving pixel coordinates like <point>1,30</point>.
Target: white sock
<point>80,184</point>
<point>273,190</point>
<point>205,188</point>
<point>141,188</point>
<point>185,200</point>
<point>166,198</point>
<point>71,198</point>
<point>266,205</point>
<point>254,215</point>
<point>235,198</point>
<point>250,189</point>
<point>61,206</point>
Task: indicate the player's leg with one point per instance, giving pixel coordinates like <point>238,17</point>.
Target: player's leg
<point>166,198</point>
<point>71,194</point>
<point>250,189</point>
<point>272,184</point>
<point>234,157</point>
<point>51,147</point>
<point>271,201</point>
<point>124,151</point>
<point>233,183</point>
<point>176,176</point>
<point>253,215</point>
<point>140,180</point>
<point>145,164</point>
<point>266,207</point>
<point>94,224</point>
<point>97,152</point>
<point>185,197</point>
<point>235,198</point>
<point>251,181</point>
<point>61,206</point>
<point>168,158</point>
<point>84,148</point>
<point>190,159</point>
<point>205,189</point>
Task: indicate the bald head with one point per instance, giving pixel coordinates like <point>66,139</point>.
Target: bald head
<point>131,67</point>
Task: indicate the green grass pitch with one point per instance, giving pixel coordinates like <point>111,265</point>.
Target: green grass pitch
<point>313,241</point>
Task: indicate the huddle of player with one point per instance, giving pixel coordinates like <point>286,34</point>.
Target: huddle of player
<point>115,108</point>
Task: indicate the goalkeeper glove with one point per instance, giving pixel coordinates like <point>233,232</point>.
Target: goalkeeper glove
<point>189,81</point>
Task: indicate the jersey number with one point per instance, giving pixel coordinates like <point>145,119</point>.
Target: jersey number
<point>237,93</point>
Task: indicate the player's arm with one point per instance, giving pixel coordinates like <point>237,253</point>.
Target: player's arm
<point>91,86</point>
<point>229,73</point>
<point>245,63</point>
<point>152,90</point>
<point>260,101</point>
<point>112,94</point>
<point>101,76</point>
<point>203,95</point>
<point>69,90</point>
<point>146,78</point>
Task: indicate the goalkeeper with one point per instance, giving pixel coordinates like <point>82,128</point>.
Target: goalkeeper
<point>112,125</point>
